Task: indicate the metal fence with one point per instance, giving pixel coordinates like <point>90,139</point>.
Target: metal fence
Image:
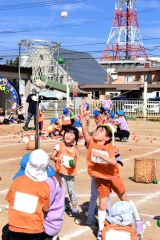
<point>131,108</point>
<point>136,108</point>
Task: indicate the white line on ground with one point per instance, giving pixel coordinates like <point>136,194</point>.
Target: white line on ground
<point>148,197</point>
<point>114,195</point>
<point>10,145</point>
<point>84,230</point>
<point>7,136</point>
<point>146,215</point>
<point>75,234</point>
<point>142,154</point>
<point>9,160</point>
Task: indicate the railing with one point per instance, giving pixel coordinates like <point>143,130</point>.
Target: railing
<point>130,107</point>
<point>135,108</point>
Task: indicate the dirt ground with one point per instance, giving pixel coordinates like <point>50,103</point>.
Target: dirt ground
<point>144,142</point>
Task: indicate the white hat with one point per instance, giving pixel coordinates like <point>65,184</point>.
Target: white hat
<point>122,213</point>
<point>36,168</point>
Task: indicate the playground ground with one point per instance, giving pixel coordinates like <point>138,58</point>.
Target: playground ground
<point>144,142</point>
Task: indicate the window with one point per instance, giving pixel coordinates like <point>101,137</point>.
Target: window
<point>61,79</point>
<point>157,94</point>
<point>129,78</point>
<point>148,78</point>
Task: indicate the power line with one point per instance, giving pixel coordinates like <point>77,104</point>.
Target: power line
<point>37,4</point>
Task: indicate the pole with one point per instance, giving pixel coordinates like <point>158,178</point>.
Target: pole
<point>67,88</point>
<point>145,97</point>
<point>36,132</point>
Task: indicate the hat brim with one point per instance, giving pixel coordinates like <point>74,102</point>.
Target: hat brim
<point>113,220</point>
<point>120,113</point>
<point>20,173</point>
<point>50,171</point>
<point>31,172</point>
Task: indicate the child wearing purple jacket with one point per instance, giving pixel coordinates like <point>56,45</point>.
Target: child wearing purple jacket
<point>53,218</point>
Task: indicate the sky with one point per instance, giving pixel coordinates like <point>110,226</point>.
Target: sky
<point>85,29</point>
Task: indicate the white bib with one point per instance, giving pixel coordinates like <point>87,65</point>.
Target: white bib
<point>117,235</point>
<point>24,202</point>
<point>98,159</point>
<point>65,160</point>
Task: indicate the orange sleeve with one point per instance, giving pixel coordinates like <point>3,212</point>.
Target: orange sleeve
<point>112,151</point>
<point>10,194</point>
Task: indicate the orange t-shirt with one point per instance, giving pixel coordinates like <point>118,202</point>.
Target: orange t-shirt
<point>66,120</point>
<point>113,227</point>
<point>66,155</point>
<point>98,167</point>
<point>40,117</point>
<point>28,200</point>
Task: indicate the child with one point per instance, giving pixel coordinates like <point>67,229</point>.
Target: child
<point>97,117</point>
<point>87,113</point>
<point>33,166</point>
<point>102,165</point>
<point>94,193</point>
<point>40,121</point>
<point>20,118</point>
<point>122,127</point>
<point>66,121</point>
<point>65,157</point>
<point>72,115</point>
<point>78,125</point>
<point>121,224</point>
<point>54,128</point>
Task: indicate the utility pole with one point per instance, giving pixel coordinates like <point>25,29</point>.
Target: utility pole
<point>145,96</point>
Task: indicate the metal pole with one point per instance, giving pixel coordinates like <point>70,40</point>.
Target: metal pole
<point>19,66</point>
<point>145,98</point>
<point>67,88</point>
<point>36,132</point>
<point>58,63</point>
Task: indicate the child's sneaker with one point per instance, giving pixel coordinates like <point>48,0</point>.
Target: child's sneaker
<point>99,235</point>
<point>75,212</point>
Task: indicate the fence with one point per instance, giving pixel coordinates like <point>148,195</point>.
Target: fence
<point>135,108</point>
<point>131,108</point>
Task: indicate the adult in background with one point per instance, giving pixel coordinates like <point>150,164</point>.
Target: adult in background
<point>122,127</point>
<point>32,101</point>
<point>107,103</point>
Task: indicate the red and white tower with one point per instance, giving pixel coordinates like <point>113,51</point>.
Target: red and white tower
<point>124,41</point>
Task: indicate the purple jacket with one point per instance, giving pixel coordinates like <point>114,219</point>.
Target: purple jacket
<point>54,217</point>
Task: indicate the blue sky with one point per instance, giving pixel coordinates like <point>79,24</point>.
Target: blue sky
<point>88,22</point>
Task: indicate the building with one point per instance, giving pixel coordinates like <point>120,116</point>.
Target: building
<point>82,68</point>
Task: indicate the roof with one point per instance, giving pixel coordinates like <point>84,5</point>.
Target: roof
<point>84,68</point>
<point>138,69</point>
<point>8,68</point>
<point>62,87</point>
<point>118,86</point>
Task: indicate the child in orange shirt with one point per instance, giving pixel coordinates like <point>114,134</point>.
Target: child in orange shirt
<point>102,165</point>
<point>65,157</point>
<point>40,121</point>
